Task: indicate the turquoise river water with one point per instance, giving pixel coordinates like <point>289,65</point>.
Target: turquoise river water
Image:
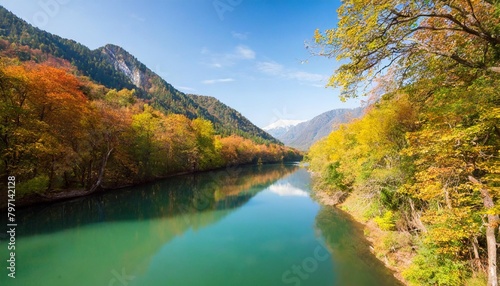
<point>239,226</point>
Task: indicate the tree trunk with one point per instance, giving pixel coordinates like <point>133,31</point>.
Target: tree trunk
<point>491,240</point>
<point>416,218</point>
<point>492,251</point>
<point>101,172</point>
<point>447,199</point>
<point>51,173</point>
<point>495,69</point>
<point>88,180</point>
<point>477,259</point>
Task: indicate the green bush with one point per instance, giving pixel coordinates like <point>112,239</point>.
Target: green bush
<point>385,222</point>
<point>480,280</point>
<point>333,177</point>
<point>372,209</point>
<point>432,268</point>
<point>36,185</point>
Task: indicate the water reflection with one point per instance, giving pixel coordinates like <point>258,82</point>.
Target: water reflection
<point>248,226</point>
<point>287,190</point>
<point>354,263</point>
<point>184,195</point>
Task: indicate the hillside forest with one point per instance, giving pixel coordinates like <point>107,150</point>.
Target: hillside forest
<point>61,131</point>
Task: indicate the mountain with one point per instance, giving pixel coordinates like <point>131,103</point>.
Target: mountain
<point>229,120</point>
<point>304,134</point>
<point>90,63</point>
<point>161,94</point>
<point>281,126</point>
<point>164,96</point>
<point>115,68</point>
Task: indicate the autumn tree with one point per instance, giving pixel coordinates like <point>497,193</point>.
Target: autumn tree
<point>60,131</point>
<point>206,144</point>
<point>456,158</point>
<point>106,127</point>
<point>406,36</point>
<point>445,55</point>
<point>41,123</point>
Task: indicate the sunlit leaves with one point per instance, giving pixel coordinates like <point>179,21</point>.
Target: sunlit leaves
<point>373,35</point>
<point>431,155</point>
<point>445,56</point>
<point>41,119</point>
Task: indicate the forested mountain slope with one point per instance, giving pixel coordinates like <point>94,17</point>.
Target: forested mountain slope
<point>115,68</point>
<point>228,119</point>
<point>65,131</point>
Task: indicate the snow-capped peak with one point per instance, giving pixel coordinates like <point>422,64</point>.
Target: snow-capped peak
<point>283,123</point>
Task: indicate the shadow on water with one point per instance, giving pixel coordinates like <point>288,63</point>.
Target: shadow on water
<point>183,195</point>
<point>354,263</point>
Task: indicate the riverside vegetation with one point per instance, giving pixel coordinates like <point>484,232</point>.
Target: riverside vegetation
<point>61,132</point>
<point>423,163</point>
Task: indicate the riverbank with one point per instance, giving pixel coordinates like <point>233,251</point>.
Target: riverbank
<point>392,248</point>
<point>52,196</point>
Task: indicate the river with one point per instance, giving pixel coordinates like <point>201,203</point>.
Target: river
<point>253,225</point>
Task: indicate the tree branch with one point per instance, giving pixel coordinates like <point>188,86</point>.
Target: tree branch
<point>486,36</point>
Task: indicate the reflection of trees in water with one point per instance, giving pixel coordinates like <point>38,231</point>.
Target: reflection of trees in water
<point>354,263</point>
<point>183,195</point>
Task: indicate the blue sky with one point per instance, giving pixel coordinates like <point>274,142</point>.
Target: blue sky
<point>250,54</point>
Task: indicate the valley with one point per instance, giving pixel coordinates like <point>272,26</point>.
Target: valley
<point>131,151</point>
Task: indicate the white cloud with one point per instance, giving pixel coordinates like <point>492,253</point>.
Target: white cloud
<point>218,60</point>
<point>239,36</point>
<point>306,76</point>
<point>205,51</point>
<point>216,65</point>
<point>185,88</point>
<point>319,85</point>
<point>138,18</point>
<point>244,52</point>
<point>276,69</point>
<point>271,68</point>
<point>220,80</point>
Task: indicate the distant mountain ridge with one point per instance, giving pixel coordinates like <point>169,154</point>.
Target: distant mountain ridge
<point>113,67</point>
<point>90,63</point>
<point>304,134</point>
<point>280,127</point>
